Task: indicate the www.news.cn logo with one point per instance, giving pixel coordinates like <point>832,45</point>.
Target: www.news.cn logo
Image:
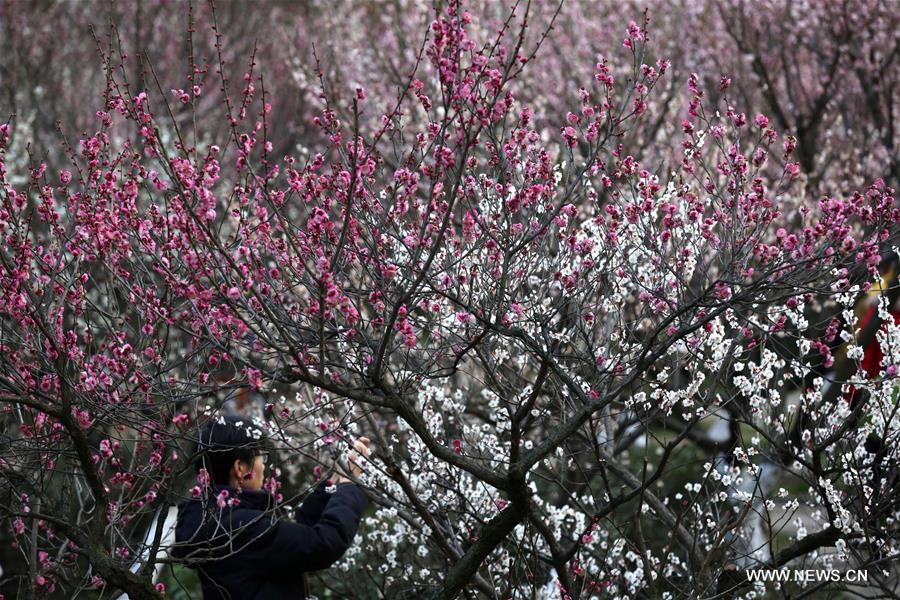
<point>808,575</point>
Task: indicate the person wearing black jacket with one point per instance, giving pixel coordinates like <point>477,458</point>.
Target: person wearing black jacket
<point>231,536</point>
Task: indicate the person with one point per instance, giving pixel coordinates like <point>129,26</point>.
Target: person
<point>229,532</point>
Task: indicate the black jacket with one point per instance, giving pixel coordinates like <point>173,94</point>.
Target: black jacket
<point>244,552</point>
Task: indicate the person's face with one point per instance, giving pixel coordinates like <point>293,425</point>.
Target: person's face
<point>251,477</point>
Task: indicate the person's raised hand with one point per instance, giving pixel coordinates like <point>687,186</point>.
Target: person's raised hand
<point>356,459</point>
<point>361,450</point>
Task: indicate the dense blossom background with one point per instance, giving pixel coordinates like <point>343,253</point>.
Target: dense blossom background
<point>611,287</point>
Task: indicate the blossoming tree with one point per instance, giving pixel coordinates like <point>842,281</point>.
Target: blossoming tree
<point>544,336</point>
